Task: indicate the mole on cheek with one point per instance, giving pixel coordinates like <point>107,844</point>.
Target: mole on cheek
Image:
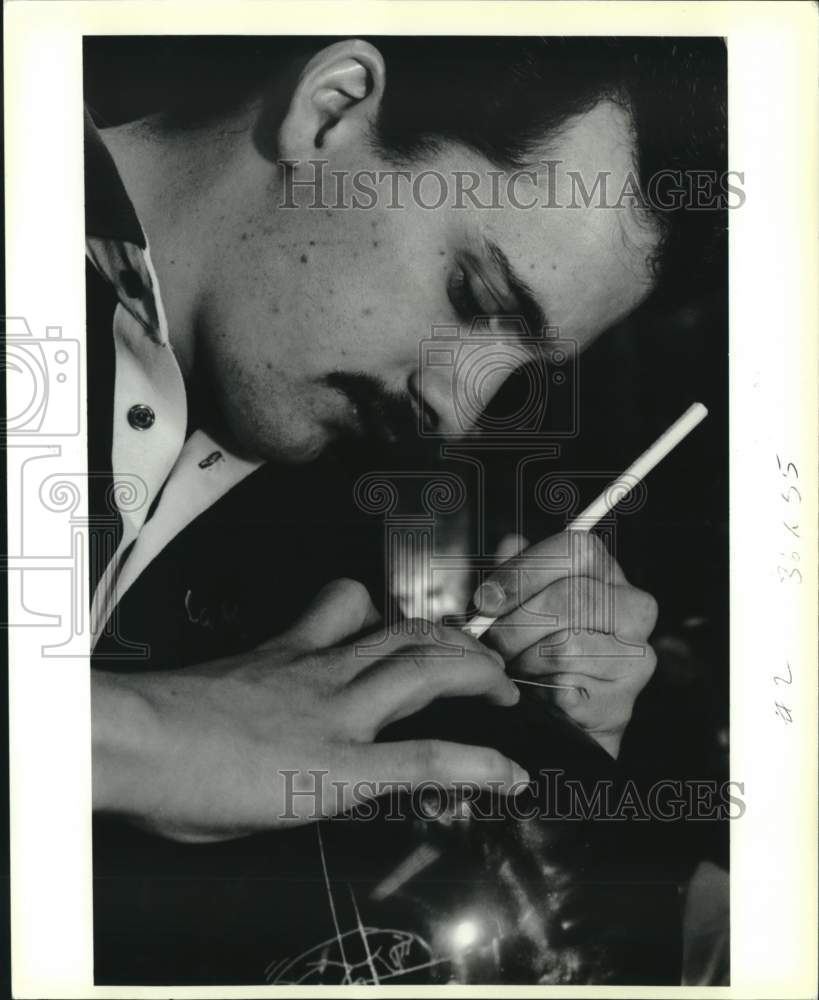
<point>303,258</point>
<point>366,311</point>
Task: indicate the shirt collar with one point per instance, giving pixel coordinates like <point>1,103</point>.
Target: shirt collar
<point>109,212</point>
<point>115,240</point>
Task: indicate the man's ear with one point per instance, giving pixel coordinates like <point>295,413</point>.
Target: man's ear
<point>336,96</point>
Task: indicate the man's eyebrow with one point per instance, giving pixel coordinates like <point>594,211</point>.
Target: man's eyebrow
<point>531,309</point>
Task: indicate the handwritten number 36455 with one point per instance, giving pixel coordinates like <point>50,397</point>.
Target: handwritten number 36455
<point>789,471</point>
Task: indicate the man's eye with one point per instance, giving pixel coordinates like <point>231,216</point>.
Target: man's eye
<point>471,296</point>
<point>462,296</point>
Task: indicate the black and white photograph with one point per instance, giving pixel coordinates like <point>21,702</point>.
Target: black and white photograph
<point>396,502</point>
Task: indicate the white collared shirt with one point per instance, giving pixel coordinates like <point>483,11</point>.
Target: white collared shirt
<point>150,453</point>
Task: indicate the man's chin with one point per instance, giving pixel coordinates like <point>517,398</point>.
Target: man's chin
<point>340,446</point>
<point>298,453</point>
<point>281,449</point>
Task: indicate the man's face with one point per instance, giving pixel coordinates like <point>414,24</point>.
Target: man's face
<point>312,318</point>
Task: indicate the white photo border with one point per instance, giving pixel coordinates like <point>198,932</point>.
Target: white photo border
<point>773,142</point>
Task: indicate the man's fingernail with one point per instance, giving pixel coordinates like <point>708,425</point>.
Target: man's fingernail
<point>489,597</point>
<point>520,778</point>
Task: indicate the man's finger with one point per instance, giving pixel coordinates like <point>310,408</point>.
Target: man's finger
<point>579,603</point>
<point>600,707</point>
<point>448,764</point>
<point>592,656</point>
<point>576,553</point>
<point>402,685</point>
<point>391,643</point>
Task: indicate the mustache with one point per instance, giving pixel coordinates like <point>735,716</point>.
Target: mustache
<point>384,413</point>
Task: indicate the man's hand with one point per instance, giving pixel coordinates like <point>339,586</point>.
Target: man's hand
<point>203,753</point>
<point>567,615</point>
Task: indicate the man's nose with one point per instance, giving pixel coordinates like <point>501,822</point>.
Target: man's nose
<point>434,393</point>
<point>454,398</point>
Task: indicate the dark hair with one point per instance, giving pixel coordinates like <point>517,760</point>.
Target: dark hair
<point>502,97</point>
